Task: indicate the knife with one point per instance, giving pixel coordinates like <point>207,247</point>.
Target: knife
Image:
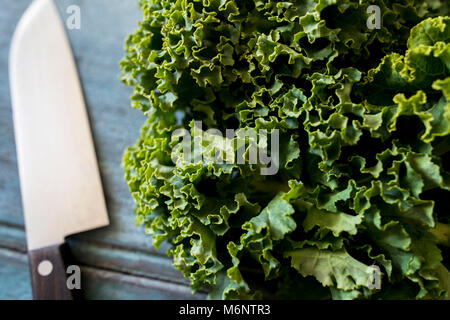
<point>59,176</point>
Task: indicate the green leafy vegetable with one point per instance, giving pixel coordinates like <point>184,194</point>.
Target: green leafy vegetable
<point>364,133</point>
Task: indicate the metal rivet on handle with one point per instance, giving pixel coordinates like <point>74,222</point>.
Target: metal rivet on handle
<point>45,267</point>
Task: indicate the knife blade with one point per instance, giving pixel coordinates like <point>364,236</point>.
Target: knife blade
<point>60,182</point>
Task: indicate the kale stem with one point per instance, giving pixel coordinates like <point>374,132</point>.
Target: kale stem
<point>442,233</point>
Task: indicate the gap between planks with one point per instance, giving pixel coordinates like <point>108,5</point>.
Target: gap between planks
<point>104,256</point>
<point>109,284</point>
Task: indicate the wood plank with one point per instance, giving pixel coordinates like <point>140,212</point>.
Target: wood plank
<point>135,262</point>
<point>98,47</point>
<point>101,284</point>
<point>12,237</point>
<point>96,283</point>
<point>14,276</point>
<point>10,205</point>
<point>98,254</point>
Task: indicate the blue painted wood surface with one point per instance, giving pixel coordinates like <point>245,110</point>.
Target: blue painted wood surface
<point>118,261</point>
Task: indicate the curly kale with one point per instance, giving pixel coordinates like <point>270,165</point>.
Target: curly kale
<point>364,120</point>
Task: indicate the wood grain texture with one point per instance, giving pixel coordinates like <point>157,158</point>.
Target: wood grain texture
<point>101,255</point>
<point>98,284</point>
<point>121,249</point>
<point>15,281</point>
<point>105,284</point>
<point>10,204</point>
<point>51,286</point>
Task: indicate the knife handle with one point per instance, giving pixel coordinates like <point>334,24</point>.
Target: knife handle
<point>48,273</point>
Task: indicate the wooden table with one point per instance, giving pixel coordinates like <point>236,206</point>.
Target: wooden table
<point>117,262</point>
